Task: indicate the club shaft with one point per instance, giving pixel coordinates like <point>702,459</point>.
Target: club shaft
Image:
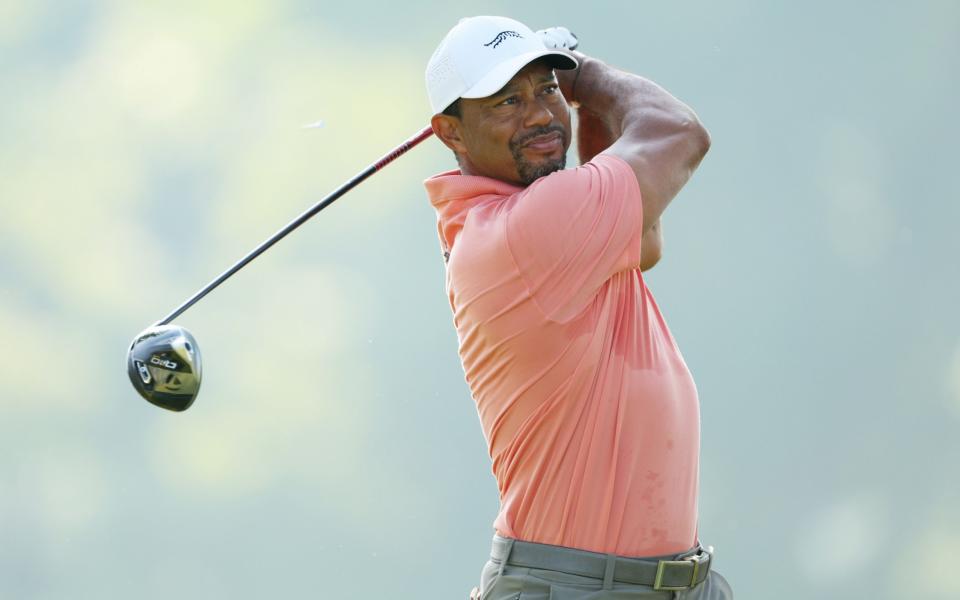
<point>303,218</point>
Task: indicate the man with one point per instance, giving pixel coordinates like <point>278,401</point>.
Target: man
<point>589,412</point>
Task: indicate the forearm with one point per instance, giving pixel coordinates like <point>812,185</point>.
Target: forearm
<point>621,101</point>
<point>593,135</point>
<point>638,121</point>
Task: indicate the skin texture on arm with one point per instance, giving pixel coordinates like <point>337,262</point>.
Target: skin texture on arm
<point>635,119</point>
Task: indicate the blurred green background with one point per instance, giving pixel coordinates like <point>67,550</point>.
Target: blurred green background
<point>810,278</point>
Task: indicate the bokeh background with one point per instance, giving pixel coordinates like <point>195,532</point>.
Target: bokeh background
<point>810,277</point>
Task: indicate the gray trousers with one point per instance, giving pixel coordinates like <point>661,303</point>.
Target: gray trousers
<point>542,572</point>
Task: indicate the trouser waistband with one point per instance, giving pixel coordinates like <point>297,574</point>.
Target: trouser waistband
<point>678,572</point>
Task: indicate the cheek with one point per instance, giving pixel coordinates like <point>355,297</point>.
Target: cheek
<point>563,115</point>
<point>489,143</point>
<point>497,138</point>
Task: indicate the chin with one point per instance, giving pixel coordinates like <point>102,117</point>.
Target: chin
<point>529,172</point>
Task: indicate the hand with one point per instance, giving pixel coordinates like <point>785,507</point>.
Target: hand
<point>558,38</point>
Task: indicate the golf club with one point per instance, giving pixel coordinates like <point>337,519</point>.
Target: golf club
<point>163,361</point>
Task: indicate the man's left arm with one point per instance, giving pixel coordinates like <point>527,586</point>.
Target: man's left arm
<point>593,137</point>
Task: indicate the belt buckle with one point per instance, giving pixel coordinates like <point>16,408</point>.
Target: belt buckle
<point>696,559</point>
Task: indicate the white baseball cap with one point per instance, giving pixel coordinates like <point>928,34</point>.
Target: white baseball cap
<point>480,55</point>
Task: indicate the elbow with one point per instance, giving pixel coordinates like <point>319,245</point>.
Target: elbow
<point>650,258</point>
<point>651,247</point>
<point>703,137</point>
<point>699,136</point>
<point>697,139</point>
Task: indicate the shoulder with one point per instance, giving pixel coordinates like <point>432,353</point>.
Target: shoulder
<point>602,168</point>
<point>606,184</point>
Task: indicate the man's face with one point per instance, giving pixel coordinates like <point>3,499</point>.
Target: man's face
<point>518,134</point>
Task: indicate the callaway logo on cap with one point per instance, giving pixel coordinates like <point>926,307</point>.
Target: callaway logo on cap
<point>480,55</point>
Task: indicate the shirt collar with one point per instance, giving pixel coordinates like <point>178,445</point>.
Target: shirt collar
<point>453,194</point>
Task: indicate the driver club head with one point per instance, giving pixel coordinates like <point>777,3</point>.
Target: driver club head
<point>164,366</point>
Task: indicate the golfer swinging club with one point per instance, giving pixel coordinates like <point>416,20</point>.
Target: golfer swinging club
<point>589,412</point>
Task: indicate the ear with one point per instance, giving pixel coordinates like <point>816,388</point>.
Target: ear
<point>448,129</point>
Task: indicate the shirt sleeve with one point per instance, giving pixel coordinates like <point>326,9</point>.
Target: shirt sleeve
<point>570,231</point>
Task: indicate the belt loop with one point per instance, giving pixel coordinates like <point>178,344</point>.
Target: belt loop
<point>608,571</point>
<point>506,556</point>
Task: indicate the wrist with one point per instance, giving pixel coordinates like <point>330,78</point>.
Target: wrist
<point>568,79</point>
<point>602,90</point>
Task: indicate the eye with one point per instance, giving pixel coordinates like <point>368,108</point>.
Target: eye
<point>508,101</point>
<point>551,89</point>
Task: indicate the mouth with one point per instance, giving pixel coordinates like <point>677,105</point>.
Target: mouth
<point>548,142</point>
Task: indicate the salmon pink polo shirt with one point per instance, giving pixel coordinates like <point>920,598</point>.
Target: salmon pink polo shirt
<point>590,414</point>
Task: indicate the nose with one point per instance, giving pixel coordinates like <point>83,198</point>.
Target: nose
<point>538,114</point>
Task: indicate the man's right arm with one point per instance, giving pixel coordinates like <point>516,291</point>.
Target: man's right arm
<point>651,247</point>
<point>636,120</point>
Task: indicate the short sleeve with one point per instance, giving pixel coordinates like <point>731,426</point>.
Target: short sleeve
<point>570,231</point>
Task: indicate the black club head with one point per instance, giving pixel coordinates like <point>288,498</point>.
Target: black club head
<point>164,366</point>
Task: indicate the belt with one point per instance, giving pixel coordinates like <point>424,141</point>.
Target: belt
<point>680,572</point>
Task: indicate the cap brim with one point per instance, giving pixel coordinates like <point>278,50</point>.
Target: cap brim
<point>504,72</point>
